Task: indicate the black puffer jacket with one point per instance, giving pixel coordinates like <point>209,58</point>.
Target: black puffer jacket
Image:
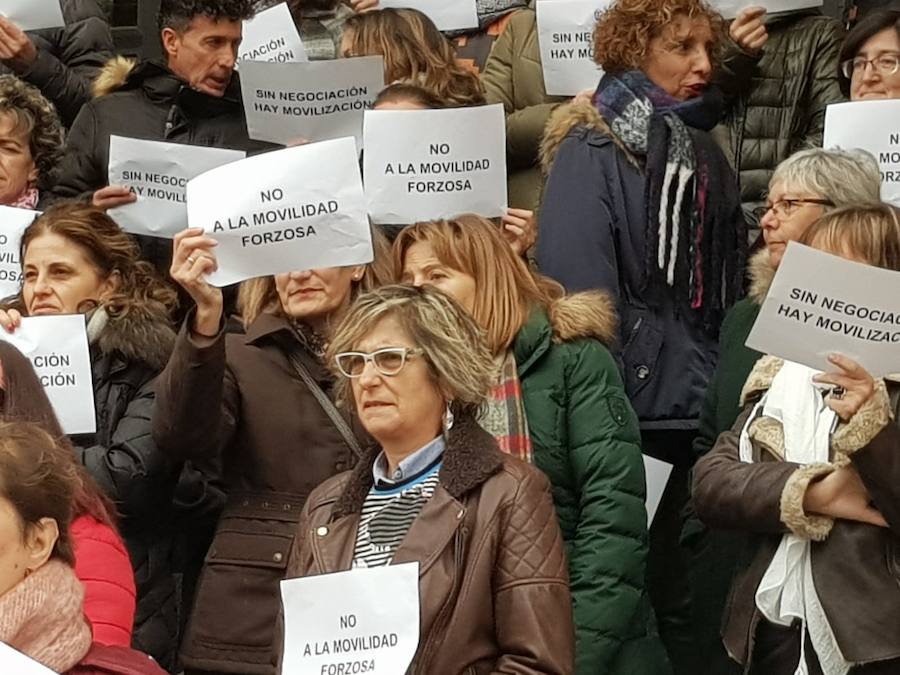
<point>778,98</point>
<point>70,57</point>
<point>127,353</point>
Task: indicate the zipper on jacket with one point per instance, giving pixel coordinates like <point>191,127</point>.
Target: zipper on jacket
<point>443,618</point>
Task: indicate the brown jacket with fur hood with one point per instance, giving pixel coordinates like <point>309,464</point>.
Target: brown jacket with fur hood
<point>494,592</point>
<point>856,567</point>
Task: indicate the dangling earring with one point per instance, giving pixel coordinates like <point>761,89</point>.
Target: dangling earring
<point>448,419</point>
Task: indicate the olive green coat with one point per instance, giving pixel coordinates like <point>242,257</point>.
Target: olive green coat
<point>514,77</point>
<point>586,439</point>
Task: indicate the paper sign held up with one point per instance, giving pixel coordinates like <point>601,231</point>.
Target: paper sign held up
<point>58,349</point>
<point>731,8</point>
<point>565,35</point>
<point>157,173</point>
<point>426,164</point>
<point>315,101</point>
<point>12,224</point>
<point>12,661</point>
<point>446,14</point>
<point>33,14</point>
<point>272,36</point>
<point>873,126</point>
<point>657,474</point>
<point>293,209</point>
<point>366,617</point>
<point>821,304</point>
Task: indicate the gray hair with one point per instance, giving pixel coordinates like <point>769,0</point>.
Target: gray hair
<point>454,346</point>
<point>841,176</point>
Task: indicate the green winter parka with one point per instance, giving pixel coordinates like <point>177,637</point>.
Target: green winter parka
<point>586,440</point>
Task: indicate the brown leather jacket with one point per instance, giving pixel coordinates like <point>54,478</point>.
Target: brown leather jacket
<point>856,567</point>
<point>493,582</point>
<point>239,400</point>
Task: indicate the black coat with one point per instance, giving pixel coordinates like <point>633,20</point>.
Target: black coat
<point>126,355</point>
<point>70,57</point>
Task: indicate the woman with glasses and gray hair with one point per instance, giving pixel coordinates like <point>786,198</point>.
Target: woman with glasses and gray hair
<point>435,489</point>
<point>870,58</point>
<point>803,188</point>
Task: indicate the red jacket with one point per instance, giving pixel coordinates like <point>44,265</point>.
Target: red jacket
<point>103,660</point>
<point>103,566</point>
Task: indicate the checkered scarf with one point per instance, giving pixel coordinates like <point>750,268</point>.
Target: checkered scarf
<point>504,415</point>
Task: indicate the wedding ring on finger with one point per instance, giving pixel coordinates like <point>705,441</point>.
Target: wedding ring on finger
<point>191,259</point>
<point>838,393</point>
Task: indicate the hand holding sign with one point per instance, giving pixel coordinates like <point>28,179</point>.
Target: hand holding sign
<point>16,49</point>
<point>192,261</point>
<point>856,386</point>
<point>748,30</point>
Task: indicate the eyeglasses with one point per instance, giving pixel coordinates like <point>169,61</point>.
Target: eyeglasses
<point>886,64</point>
<point>388,361</point>
<point>785,208</point>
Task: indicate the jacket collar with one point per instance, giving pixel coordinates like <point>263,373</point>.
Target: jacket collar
<point>470,459</point>
<point>761,274</point>
<point>586,315</point>
<point>265,326</point>
<point>142,333</point>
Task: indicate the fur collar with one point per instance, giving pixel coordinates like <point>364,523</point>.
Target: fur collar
<point>572,116</point>
<point>470,459</point>
<point>113,75</point>
<point>760,378</point>
<point>590,314</point>
<point>139,334</point>
<point>761,273</point>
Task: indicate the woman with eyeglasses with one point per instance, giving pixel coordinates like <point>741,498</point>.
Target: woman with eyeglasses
<point>870,58</point>
<point>268,419</point>
<point>435,489</point>
<point>803,188</point>
<point>808,479</point>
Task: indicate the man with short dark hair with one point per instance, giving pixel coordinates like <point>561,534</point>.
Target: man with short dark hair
<point>192,96</point>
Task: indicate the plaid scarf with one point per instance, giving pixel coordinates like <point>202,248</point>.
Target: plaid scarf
<point>687,247</point>
<point>504,414</point>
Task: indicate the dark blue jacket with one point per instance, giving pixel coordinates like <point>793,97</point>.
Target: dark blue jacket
<point>592,235</point>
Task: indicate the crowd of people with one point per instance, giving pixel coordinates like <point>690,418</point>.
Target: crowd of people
<point>478,398</point>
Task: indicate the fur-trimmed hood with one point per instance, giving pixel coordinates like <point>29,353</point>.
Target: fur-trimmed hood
<point>113,75</point>
<point>572,116</point>
<point>139,334</point>
<point>589,314</point>
<point>760,273</point>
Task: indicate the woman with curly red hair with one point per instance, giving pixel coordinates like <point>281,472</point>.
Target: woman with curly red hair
<point>641,202</point>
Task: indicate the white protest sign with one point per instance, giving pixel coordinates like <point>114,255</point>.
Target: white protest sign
<point>158,173</point>
<point>873,126</point>
<point>731,8</point>
<point>361,621</point>
<point>13,661</point>
<point>657,473</point>
<point>446,14</point>
<point>58,348</point>
<point>314,101</point>
<point>12,224</point>
<point>565,35</point>
<point>820,304</point>
<point>426,164</point>
<point>33,14</point>
<point>272,36</point>
<point>293,209</point>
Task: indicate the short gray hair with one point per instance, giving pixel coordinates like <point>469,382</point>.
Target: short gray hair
<point>454,345</point>
<point>841,176</point>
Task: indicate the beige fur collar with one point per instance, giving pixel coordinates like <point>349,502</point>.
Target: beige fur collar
<point>113,75</point>
<point>761,273</point>
<point>591,314</point>
<point>568,117</point>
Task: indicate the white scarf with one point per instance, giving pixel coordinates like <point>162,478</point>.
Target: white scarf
<point>787,591</point>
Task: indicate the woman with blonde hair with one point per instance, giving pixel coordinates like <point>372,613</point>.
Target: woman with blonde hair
<point>557,400</point>
<point>414,51</point>
<point>808,475</point>
<point>435,489</point>
<point>260,403</point>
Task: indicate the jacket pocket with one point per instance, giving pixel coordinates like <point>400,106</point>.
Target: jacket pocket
<point>641,352</point>
<point>238,593</point>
